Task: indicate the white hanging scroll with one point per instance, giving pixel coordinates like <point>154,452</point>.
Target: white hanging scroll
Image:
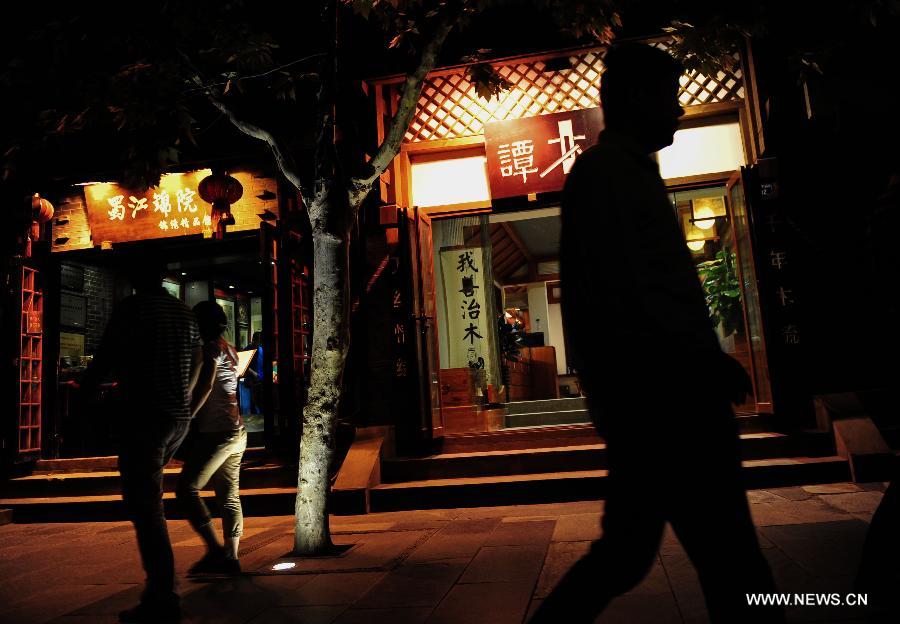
<point>468,320</point>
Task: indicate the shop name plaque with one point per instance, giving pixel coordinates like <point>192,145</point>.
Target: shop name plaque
<point>535,154</point>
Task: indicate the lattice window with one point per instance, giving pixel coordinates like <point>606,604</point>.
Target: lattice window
<point>449,106</point>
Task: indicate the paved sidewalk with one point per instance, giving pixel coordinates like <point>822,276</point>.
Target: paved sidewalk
<point>490,565</point>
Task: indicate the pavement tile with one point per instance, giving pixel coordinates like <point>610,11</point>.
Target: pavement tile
<point>196,540</point>
<point>505,563</point>
<point>685,585</point>
<point>412,615</point>
<point>458,539</point>
<point>371,551</point>
<point>232,601</point>
<point>298,615</point>
<point>658,608</point>
<point>578,528</point>
<point>484,603</point>
<point>420,585</point>
<point>826,549</point>
<point>468,526</point>
<point>554,509</point>
<point>531,532</point>
<point>332,589</point>
<point>763,496</point>
<point>794,493</point>
<point>118,598</point>
<point>855,503</point>
<point>561,556</point>
<point>52,602</point>
<point>832,488</point>
<point>362,527</point>
<point>795,512</point>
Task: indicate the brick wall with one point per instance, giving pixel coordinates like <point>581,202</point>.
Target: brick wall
<point>70,225</point>
<point>99,289</point>
<point>99,292</point>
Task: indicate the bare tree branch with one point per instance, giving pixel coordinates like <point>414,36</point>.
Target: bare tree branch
<point>409,97</point>
<point>262,74</point>
<point>283,159</point>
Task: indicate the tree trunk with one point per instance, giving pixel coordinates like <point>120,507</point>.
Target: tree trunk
<point>330,343</point>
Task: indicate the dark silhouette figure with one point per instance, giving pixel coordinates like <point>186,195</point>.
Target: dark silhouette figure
<point>658,385</point>
<point>879,574</point>
<point>152,346</point>
<point>217,444</point>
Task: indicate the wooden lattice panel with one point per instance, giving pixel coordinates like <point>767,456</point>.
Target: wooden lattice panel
<point>449,106</point>
<point>698,88</point>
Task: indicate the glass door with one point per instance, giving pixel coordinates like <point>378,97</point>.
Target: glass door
<point>750,292</point>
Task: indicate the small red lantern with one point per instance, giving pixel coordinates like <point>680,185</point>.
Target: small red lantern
<point>221,190</point>
<point>38,211</point>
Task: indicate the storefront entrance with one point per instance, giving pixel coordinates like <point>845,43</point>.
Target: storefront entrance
<point>501,346</point>
<point>238,273</point>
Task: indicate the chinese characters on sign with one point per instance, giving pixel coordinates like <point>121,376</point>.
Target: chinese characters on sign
<point>174,208</point>
<point>187,216</point>
<point>468,339</point>
<point>400,365</point>
<point>535,154</point>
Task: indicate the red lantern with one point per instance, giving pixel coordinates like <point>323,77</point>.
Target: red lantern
<point>221,190</point>
<point>39,211</point>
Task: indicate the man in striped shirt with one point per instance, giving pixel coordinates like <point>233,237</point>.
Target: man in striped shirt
<point>153,349</point>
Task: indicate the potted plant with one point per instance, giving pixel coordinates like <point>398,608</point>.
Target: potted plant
<point>723,292</point>
<point>511,341</point>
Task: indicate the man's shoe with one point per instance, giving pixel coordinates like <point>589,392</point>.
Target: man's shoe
<point>211,563</point>
<point>231,567</point>
<point>152,613</point>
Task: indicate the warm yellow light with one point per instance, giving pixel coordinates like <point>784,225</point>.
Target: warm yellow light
<point>100,190</point>
<point>459,179</point>
<point>706,210</point>
<point>704,218</point>
<point>696,245</point>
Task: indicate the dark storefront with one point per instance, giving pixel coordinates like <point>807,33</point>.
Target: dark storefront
<point>258,272</point>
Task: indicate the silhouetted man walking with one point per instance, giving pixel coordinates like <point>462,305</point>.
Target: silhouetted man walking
<point>152,343</point>
<point>658,384</point>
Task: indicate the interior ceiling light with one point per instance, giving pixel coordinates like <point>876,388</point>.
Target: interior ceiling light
<point>696,245</point>
<point>705,211</point>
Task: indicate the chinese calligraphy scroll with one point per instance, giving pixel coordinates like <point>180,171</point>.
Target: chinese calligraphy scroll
<point>468,319</point>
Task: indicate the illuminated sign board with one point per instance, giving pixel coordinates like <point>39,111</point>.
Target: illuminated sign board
<point>173,208</point>
<point>535,154</point>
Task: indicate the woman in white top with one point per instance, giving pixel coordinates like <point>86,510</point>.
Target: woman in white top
<point>216,445</point>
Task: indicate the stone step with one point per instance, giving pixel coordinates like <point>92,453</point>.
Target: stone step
<point>538,419</point>
<point>578,485</point>
<point>545,405</point>
<point>526,438</point>
<point>109,507</point>
<point>100,483</point>
<point>495,463</point>
<point>109,463</point>
<point>585,454</point>
<point>430,493</point>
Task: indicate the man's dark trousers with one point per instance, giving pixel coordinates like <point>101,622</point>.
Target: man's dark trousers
<point>673,456</point>
<point>146,447</point>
